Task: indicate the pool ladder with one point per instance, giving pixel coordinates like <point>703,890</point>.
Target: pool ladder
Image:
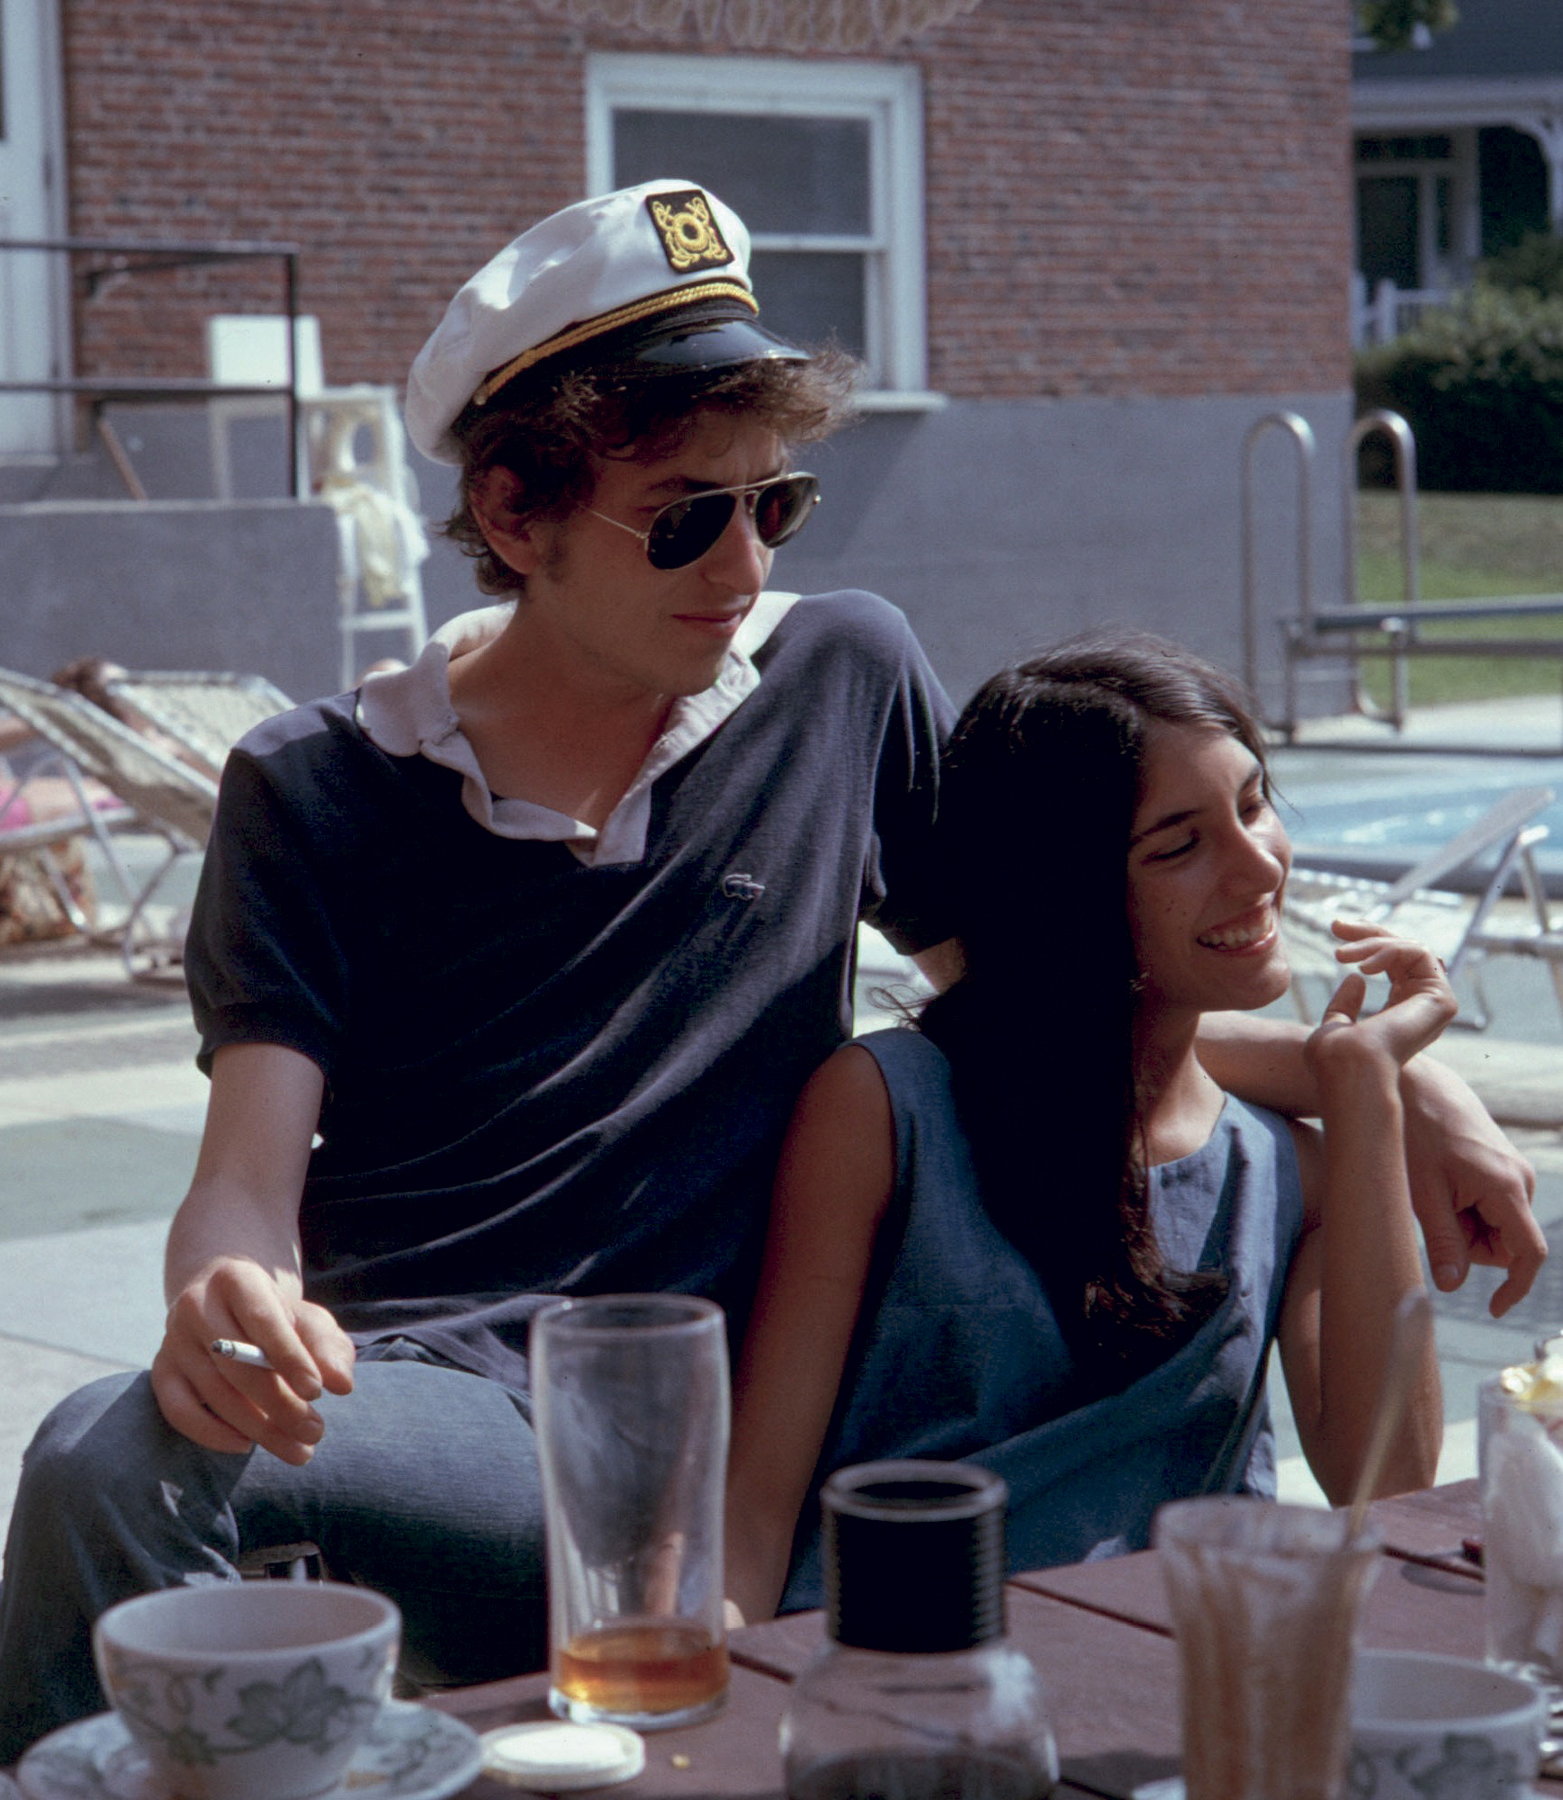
<point>1312,632</point>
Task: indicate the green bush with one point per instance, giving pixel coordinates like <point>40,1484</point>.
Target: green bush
<point>1534,263</point>
<point>1481,384</point>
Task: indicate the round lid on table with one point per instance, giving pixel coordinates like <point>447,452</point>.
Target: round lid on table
<point>559,1756</point>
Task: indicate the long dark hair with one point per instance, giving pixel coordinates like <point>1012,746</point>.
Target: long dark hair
<point>1038,795</point>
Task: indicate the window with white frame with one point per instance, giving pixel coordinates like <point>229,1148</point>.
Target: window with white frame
<point>822,161</point>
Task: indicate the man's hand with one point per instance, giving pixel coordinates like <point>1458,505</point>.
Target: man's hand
<point>226,1406</point>
<point>1470,1187</point>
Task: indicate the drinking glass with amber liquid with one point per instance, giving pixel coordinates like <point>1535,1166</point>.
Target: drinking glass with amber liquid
<point>630,1405</point>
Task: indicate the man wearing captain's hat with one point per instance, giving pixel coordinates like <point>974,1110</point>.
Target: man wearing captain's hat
<point>543,935</point>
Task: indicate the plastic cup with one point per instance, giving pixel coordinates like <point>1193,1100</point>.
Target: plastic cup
<point>1265,1600</point>
<point>1520,1448</point>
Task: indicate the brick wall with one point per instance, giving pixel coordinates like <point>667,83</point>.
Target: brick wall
<point>1125,197</point>
<point>1139,197</point>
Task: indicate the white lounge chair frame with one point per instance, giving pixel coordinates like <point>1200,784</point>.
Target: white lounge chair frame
<point>205,713</point>
<point>1465,941</point>
<point>36,839</point>
<point>160,793</point>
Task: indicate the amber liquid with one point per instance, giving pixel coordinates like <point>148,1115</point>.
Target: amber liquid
<point>642,1668</point>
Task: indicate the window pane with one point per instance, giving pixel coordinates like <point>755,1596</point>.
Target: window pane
<point>1387,231</point>
<point>809,298</point>
<point>777,172</point>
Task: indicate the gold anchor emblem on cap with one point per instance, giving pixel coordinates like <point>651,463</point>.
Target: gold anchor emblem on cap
<point>689,233</point>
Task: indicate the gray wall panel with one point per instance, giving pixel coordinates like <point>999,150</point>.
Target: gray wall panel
<point>172,584</point>
<point>999,525</point>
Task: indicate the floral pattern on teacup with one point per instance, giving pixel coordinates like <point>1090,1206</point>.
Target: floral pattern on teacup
<point>411,1753</point>
<point>1459,1767</point>
<point>304,1708</point>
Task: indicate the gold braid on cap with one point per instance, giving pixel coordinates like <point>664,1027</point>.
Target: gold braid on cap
<point>630,314</point>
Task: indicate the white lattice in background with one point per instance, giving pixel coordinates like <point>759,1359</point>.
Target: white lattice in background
<point>770,24</point>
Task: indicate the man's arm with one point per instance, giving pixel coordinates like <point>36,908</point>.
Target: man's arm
<point>233,1267</point>
<point>1470,1188</point>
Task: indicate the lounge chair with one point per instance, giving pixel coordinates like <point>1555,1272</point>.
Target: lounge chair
<point>38,840</point>
<point>205,714</point>
<point>159,793</point>
<point>1463,935</point>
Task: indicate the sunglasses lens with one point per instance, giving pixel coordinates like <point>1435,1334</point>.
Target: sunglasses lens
<point>782,509</point>
<point>683,532</point>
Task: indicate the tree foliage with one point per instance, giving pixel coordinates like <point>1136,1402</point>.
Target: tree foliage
<point>1393,24</point>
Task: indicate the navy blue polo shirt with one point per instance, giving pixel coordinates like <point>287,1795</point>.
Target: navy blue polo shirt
<point>550,1076</point>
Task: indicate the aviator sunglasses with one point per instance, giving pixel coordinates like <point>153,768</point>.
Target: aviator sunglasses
<point>685,529</point>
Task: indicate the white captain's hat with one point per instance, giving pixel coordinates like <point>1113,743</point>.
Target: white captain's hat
<point>655,275</point>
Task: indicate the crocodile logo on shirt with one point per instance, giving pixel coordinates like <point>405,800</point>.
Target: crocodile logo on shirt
<point>742,887</point>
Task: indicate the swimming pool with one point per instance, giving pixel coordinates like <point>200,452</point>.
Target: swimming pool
<point>1380,812</point>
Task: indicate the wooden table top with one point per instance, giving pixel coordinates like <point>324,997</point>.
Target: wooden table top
<point>1101,1638</point>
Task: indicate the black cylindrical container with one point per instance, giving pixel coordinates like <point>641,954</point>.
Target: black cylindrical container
<point>945,1521</point>
<point>917,1695</point>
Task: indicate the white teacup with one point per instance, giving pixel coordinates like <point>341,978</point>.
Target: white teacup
<point>254,1690</point>
<point>1440,1725</point>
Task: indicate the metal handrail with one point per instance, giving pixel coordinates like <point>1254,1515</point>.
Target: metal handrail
<point>1301,434</point>
<point>1403,448</point>
<point>158,256</point>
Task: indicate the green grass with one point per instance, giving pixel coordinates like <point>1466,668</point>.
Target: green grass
<point>1472,545</point>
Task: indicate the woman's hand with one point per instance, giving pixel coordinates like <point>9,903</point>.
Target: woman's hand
<point>1421,1002</point>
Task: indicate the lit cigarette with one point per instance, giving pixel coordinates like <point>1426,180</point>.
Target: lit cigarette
<point>251,1355</point>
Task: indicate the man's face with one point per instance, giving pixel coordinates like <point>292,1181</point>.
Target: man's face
<point>595,604</point>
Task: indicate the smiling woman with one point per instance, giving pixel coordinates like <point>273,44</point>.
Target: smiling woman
<point>1033,1233</point>
<point>1207,864</point>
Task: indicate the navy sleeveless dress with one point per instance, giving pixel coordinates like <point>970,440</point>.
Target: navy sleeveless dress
<point>958,1355</point>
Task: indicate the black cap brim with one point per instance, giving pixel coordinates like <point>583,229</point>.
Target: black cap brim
<point>718,344</point>
<point>717,332</point>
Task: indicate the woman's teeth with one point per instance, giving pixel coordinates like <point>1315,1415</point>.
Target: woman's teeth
<point>1238,937</point>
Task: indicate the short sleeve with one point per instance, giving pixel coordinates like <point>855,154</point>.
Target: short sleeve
<point>262,960</point>
<point>899,891</point>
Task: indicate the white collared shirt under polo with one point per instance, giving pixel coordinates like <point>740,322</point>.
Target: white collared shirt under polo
<point>409,713</point>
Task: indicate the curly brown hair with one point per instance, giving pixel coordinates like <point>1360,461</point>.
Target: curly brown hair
<point>551,432</point>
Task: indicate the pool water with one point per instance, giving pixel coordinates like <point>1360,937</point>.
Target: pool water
<point>1396,809</point>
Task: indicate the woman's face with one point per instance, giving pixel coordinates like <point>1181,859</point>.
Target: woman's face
<point>1207,863</point>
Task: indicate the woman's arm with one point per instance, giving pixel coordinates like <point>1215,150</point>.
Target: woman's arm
<point>1359,1255</point>
<point>833,1185</point>
<point>1470,1188</point>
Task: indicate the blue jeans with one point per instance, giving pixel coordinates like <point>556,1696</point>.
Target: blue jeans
<point>424,1486</point>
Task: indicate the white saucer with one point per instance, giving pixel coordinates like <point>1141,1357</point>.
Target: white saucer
<point>411,1753</point>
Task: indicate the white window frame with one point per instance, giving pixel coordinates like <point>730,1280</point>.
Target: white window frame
<point>887,95</point>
